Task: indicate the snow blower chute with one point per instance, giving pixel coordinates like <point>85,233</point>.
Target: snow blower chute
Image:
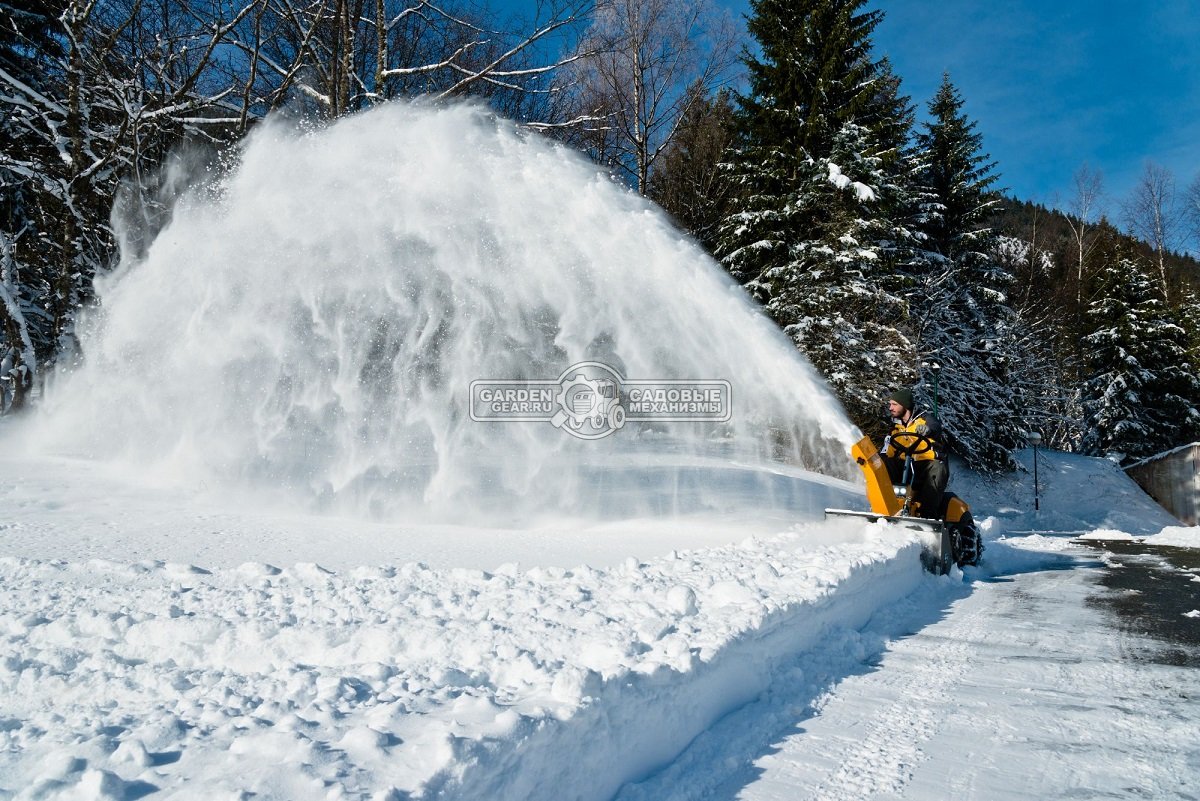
<point>950,536</point>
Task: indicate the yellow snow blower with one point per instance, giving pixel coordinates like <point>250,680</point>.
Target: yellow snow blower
<point>949,533</point>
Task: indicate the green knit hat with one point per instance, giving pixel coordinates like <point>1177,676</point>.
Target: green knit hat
<point>904,397</point>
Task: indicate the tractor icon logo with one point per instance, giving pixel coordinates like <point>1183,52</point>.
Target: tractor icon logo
<point>589,401</point>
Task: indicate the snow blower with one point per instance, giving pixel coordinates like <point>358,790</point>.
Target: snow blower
<point>950,536</point>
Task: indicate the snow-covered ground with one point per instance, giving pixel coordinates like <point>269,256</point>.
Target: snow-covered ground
<point>157,643</point>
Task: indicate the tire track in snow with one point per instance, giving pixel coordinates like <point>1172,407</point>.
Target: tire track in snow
<point>722,760</point>
<point>882,761</point>
<point>889,724</point>
<point>1045,703</point>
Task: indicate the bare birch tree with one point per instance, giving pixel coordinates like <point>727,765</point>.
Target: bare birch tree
<point>1152,216</point>
<point>95,93</point>
<point>688,181</point>
<point>652,60</point>
<point>1089,187</point>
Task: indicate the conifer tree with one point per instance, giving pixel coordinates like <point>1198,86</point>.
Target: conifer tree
<point>28,45</point>
<point>1138,396</point>
<point>688,182</point>
<point>958,176</point>
<point>1046,373</point>
<point>1187,317</point>
<point>1188,313</point>
<point>817,175</point>
<point>965,321</point>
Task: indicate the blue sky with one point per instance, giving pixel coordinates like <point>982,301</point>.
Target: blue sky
<point>1055,84</point>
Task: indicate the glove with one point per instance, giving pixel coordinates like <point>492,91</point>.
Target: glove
<point>922,429</point>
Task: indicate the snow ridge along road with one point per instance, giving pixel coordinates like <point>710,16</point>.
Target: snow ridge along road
<point>126,680</point>
<point>641,720</point>
<point>873,757</point>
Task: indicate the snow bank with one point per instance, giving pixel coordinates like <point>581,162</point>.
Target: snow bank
<point>1076,495</point>
<point>1172,536</point>
<point>122,679</point>
<point>1177,537</point>
<point>1107,534</point>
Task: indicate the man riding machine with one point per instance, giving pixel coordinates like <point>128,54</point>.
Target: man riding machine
<point>907,484</point>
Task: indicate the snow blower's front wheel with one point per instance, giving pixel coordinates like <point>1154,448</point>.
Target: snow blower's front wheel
<point>965,543</point>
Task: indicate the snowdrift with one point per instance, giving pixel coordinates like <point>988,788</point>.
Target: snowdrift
<point>122,679</point>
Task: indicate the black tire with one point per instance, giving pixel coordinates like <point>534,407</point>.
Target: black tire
<point>965,543</point>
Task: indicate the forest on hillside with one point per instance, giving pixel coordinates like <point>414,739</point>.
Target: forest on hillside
<point>882,246</point>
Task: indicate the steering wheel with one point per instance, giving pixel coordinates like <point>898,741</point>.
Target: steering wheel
<point>919,444</point>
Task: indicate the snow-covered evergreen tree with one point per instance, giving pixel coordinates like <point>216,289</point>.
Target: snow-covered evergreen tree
<point>1138,398</point>
<point>28,47</point>
<point>1046,375</point>
<point>965,321</point>
<point>1187,317</point>
<point>1179,385</point>
<point>90,94</point>
<point>688,182</point>
<point>959,177</point>
<point>818,173</point>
